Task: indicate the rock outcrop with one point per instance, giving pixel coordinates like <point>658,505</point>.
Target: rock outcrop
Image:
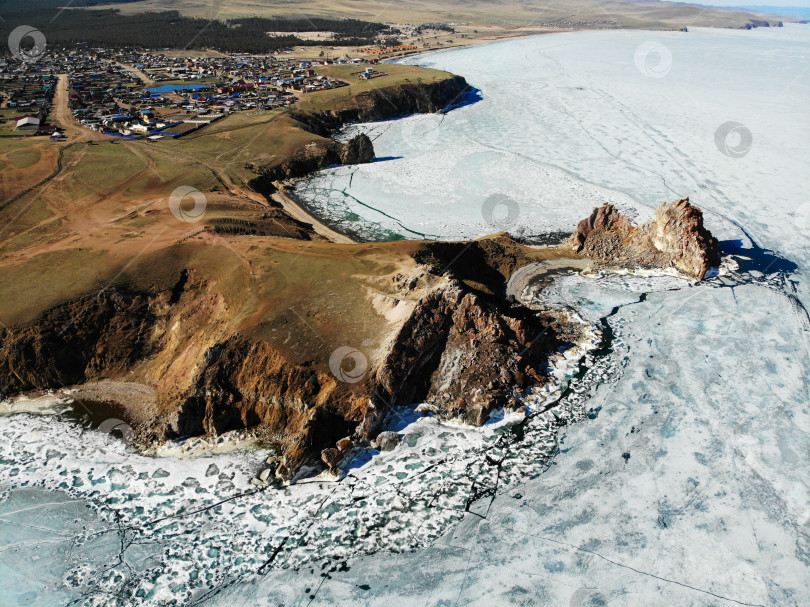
<point>465,354</point>
<point>387,441</point>
<point>313,157</point>
<point>463,351</point>
<point>88,338</point>
<point>358,150</point>
<point>674,238</point>
<point>367,106</point>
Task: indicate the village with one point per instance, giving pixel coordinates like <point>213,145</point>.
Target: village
<point>151,94</point>
<point>157,94</point>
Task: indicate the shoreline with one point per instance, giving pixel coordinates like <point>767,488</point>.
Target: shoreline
<point>518,32</point>
<point>296,211</point>
<point>203,394</point>
<point>514,35</point>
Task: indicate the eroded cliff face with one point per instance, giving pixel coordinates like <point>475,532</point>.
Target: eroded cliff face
<point>389,102</point>
<point>465,354</point>
<point>209,379</point>
<point>313,157</point>
<point>368,106</point>
<point>80,340</point>
<point>674,238</point>
<point>462,348</point>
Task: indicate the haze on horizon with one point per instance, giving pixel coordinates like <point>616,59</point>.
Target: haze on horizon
<point>751,3</point>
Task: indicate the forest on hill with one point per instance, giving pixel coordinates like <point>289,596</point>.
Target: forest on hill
<point>66,27</point>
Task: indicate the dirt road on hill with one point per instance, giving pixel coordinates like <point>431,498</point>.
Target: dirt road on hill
<point>147,81</point>
<point>74,131</point>
<point>72,128</point>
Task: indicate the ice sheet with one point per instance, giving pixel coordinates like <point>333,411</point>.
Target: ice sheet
<point>568,121</point>
<point>673,471</point>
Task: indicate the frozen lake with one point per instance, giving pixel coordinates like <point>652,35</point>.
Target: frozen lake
<point>570,121</point>
<point>672,472</point>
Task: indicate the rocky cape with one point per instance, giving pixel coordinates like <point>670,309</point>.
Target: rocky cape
<point>462,347</point>
<point>244,325</point>
<point>373,105</point>
<point>674,238</point>
<point>453,340</point>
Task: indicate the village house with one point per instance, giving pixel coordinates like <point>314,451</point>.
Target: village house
<point>28,123</point>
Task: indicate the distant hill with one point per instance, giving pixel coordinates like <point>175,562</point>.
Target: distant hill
<point>503,13</point>
<point>107,27</point>
<point>245,25</point>
<point>798,12</point>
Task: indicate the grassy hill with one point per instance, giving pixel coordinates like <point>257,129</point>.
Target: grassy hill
<point>505,14</point>
<point>98,205</point>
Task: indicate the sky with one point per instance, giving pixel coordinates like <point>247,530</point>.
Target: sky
<point>735,3</point>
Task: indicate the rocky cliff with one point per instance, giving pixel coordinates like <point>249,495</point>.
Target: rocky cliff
<point>465,354</point>
<point>674,238</point>
<point>97,336</point>
<point>387,103</point>
<point>313,157</point>
<point>463,348</point>
<point>374,105</point>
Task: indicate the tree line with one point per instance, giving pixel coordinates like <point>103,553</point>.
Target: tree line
<point>169,29</point>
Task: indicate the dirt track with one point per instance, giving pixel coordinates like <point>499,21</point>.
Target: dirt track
<point>72,128</point>
<point>147,81</point>
<point>74,131</point>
